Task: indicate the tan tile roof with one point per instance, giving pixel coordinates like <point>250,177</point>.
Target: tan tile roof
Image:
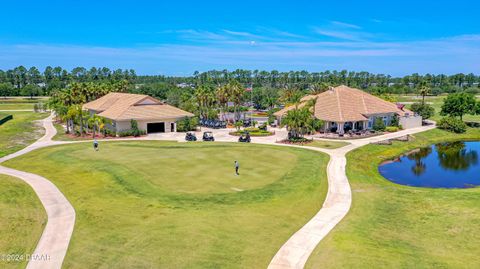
<point>343,104</point>
<point>126,106</point>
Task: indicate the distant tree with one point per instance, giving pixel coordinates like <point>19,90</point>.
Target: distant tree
<point>459,104</point>
<point>319,88</point>
<point>424,110</point>
<point>6,89</point>
<point>235,93</point>
<point>423,90</point>
<point>31,90</point>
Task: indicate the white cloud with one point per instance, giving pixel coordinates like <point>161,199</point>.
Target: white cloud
<point>450,54</point>
<point>346,25</point>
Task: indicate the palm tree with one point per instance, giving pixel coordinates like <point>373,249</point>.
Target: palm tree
<point>80,115</point>
<point>70,118</point>
<point>301,120</point>
<point>205,97</point>
<point>96,122</point>
<point>222,98</point>
<point>235,93</point>
<point>291,95</point>
<point>318,88</point>
<point>423,91</point>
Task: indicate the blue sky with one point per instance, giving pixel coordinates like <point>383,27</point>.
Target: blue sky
<point>179,37</point>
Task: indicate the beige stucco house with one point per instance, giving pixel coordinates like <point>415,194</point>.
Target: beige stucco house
<point>343,108</point>
<point>151,114</point>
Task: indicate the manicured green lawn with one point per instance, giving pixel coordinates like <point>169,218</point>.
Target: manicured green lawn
<point>158,204</point>
<point>21,131</point>
<point>394,226</point>
<point>436,102</point>
<point>327,144</point>
<point>22,219</point>
<point>16,106</point>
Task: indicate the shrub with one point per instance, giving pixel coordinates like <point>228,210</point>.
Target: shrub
<point>452,124</point>
<point>424,110</point>
<point>238,125</point>
<point>187,124</point>
<point>392,129</point>
<point>378,124</point>
<point>271,117</point>
<point>132,132</point>
<point>395,121</point>
<point>473,124</point>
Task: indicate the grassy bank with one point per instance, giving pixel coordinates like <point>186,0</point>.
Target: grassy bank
<point>394,226</point>
<point>177,205</point>
<point>22,219</point>
<point>21,131</point>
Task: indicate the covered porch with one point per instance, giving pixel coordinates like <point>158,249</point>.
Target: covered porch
<point>343,127</point>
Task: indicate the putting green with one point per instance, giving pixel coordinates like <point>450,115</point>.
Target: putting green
<point>180,205</point>
<point>190,169</point>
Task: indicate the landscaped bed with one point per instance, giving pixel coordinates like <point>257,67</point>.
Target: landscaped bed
<point>22,219</point>
<point>253,131</point>
<point>175,205</point>
<point>395,226</point>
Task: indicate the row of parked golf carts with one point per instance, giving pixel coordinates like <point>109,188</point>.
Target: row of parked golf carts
<point>208,136</point>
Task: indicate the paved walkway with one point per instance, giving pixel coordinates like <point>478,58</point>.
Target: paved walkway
<point>56,236</point>
<point>293,254</point>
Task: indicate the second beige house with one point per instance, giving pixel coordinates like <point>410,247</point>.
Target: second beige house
<point>152,115</point>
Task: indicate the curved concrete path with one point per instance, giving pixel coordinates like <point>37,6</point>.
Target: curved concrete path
<point>295,252</point>
<point>53,244</point>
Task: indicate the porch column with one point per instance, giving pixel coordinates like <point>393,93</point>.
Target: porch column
<point>340,127</point>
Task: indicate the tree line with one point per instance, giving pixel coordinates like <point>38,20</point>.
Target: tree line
<point>362,80</point>
<point>23,81</point>
<point>13,81</point>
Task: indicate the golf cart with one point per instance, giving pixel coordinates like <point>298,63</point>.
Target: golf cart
<point>208,136</point>
<point>190,137</point>
<point>245,137</point>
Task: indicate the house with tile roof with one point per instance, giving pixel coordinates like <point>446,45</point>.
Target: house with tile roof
<point>343,108</point>
<point>152,115</point>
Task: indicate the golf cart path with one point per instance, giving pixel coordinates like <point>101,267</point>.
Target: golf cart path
<point>53,244</point>
<point>295,252</point>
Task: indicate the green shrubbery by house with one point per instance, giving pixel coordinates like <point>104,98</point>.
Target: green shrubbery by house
<point>133,131</point>
<point>378,125</point>
<point>452,124</point>
<point>187,124</point>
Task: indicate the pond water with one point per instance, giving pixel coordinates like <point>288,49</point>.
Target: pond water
<point>443,165</point>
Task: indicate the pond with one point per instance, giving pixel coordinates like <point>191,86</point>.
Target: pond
<point>443,165</point>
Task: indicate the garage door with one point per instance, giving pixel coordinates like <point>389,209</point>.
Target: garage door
<point>158,127</point>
